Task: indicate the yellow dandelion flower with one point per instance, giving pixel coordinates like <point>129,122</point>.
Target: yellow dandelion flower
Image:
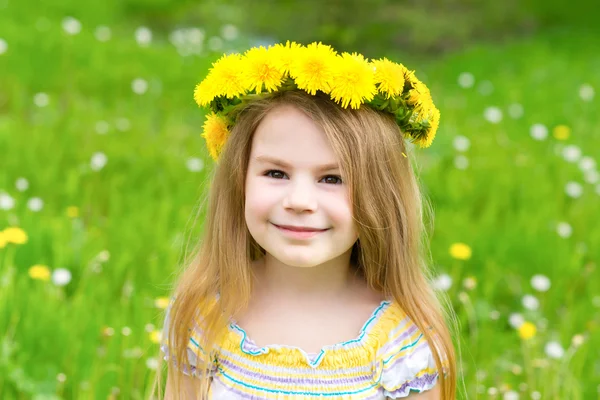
<point>312,69</point>
<point>389,76</point>
<point>15,235</point>
<point>155,336</point>
<point>260,69</point>
<point>561,132</point>
<point>353,81</point>
<point>72,212</point>
<point>284,55</point>
<point>39,272</point>
<point>226,76</point>
<point>3,240</point>
<point>206,91</point>
<point>215,133</point>
<point>433,119</point>
<point>420,97</point>
<point>161,302</point>
<point>527,330</point>
<point>460,251</point>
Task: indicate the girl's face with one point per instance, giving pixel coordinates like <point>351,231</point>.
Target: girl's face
<point>294,180</point>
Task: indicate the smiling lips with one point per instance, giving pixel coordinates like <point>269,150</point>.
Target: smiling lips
<point>299,228</point>
<point>299,232</point>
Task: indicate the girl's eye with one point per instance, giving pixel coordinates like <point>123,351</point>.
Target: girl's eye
<point>331,179</point>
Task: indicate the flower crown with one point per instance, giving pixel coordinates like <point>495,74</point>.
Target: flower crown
<point>350,80</point>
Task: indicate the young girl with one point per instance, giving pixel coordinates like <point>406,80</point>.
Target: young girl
<point>310,278</point>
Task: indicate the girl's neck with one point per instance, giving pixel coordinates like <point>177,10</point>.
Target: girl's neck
<point>329,280</point>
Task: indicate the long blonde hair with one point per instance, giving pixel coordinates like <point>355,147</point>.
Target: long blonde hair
<point>392,249</point>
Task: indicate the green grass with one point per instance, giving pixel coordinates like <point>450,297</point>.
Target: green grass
<point>505,206</point>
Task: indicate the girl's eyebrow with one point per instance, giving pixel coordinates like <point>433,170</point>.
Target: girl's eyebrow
<point>283,164</point>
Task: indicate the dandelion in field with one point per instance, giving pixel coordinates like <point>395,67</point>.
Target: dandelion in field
<point>41,99</point>
<point>3,46</point>
<point>108,331</point>
<point>155,336</point>
<point>152,363</point>
<point>466,80</point>
<point>517,370</point>
<point>126,331</point>
<point>516,320</point>
<point>61,377</point>
<point>485,88</point>
<point>102,33</point>
<point>494,315</point>
<point>541,283</point>
<point>102,127</point>
<point>215,43</point>
<point>461,143</point>
<point>143,36</point>
<point>15,235</point>
<point>61,276</point>
<point>71,25</point>
<point>22,184</point>
<point>511,395</point>
<point>98,161</point>
<point>538,131</point>
<point>535,395</point>
<point>35,204</point>
<point>530,302</point>
<point>72,211</point>
<point>577,340</point>
<point>573,189</point>
<point>554,350</point>
<point>149,327</point>
<point>161,302</point>
<point>515,111</point>
<point>2,240</point>
<point>564,229</point>
<point>460,251</point>
<point>493,115</point>
<point>103,256</point>
<point>6,201</point>
<point>586,92</point>
<point>194,164</point>
<point>571,153</point>
<point>139,86</point>
<point>461,162</point>
<point>470,283</point>
<point>587,163</point>
<point>561,132</point>
<point>527,330</point>
<point>229,32</point>
<point>591,176</point>
<point>492,391</point>
<point>39,272</point>
<point>442,282</point>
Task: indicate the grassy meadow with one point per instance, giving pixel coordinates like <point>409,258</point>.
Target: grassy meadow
<point>102,167</point>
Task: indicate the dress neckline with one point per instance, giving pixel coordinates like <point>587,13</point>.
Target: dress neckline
<point>249,347</point>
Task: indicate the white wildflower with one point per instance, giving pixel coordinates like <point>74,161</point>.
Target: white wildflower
<point>539,131</point>
<point>510,395</point>
<point>41,99</point>
<point>22,184</point>
<point>98,161</point>
<point>466,80</point>
<point>61,377</point>
<point>61,276</point>
<point>126,331</point>
<point>35,204</point>
<point>587,164</point>
<point>516,320</point>
<point>530,302</point>
<point>564,230</point>
<point>71,26</point>
<point>152,363</point>
<point>139,86</point>
<point>592,176</point>
<point>6,201</point>
<point>229,32</point>
<point>571,153</point>
<point>143,36</point>
<point>586,92</point>
<point>493,114</point>
<point>573,189</point>
<point>554,350</point>
<point>541,283</point>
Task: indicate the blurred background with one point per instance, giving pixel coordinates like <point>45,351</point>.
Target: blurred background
<point>102,168</point>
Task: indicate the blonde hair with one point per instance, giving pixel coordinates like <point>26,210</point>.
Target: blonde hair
<point>387,206</point>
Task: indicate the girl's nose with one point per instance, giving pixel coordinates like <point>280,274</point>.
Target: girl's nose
<point>301,196</point>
